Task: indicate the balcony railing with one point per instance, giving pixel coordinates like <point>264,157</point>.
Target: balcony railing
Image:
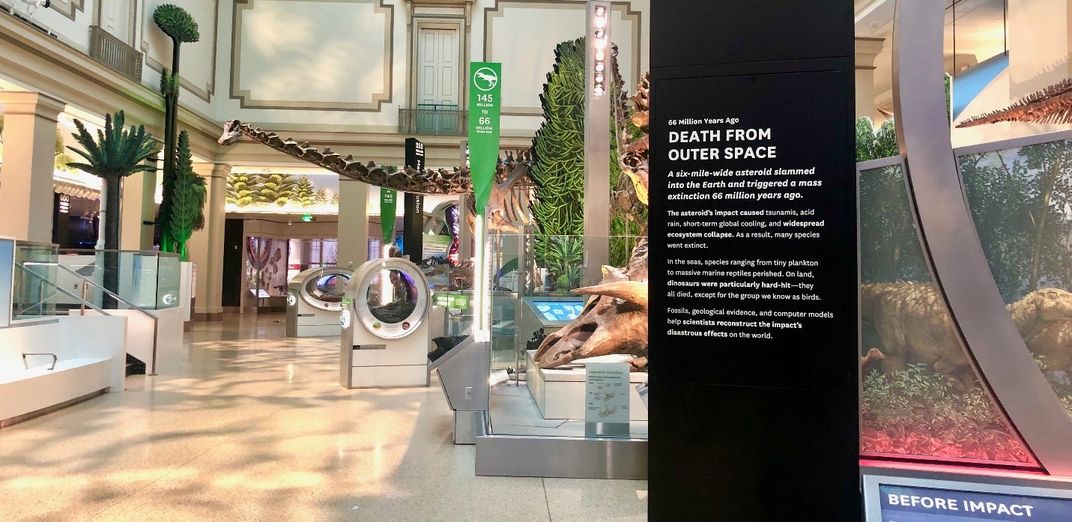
<point>430,119</point>
<point>114,53</point>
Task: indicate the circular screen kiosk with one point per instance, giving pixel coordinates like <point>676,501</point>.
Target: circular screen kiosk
<point>391,298</point>
<point>314,300</point>
<point>385,331</point>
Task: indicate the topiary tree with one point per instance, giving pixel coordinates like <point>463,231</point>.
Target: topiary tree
<point>276,189</point>
<point>113,154</point>
<point>558,169</point>
<point>178,25</point>
<point>241,188</point>
<point>188,199</point>
<point>303,191</point>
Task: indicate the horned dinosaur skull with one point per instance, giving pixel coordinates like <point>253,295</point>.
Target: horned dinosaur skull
<point>614,320</point>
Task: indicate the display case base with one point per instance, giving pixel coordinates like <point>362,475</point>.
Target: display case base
<point>388,376</point>
<point>559,393</point>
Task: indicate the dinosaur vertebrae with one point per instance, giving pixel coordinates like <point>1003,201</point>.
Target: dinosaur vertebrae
<point>1050,105</point>
<point>429,181</point>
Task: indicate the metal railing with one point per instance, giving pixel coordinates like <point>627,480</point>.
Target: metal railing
<point>85,283</point>
<point>115,53</point>
<point>432,119</point>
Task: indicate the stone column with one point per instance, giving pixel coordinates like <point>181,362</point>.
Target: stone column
<point>867,49</point>
<point>139,208</point>
<point>206,245</point>
<point>353,223</point>
<point>29,160</point>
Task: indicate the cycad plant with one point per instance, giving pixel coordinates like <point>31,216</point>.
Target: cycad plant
<point>188,199</point>
<point>115,153</point>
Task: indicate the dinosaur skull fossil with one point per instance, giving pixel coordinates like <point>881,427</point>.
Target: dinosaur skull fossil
<point>614,320</point>
<point>232,132</point>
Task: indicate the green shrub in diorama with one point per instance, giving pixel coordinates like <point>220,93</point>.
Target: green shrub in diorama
<point>178,25</point>
<point>917,412</point>
<point>112,155</point>
<point>188,199</point>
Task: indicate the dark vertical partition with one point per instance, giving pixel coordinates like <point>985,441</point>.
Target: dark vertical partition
<point>413,207</point>
<point>754,358</point>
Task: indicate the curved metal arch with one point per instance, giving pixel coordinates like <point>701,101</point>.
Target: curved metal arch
<point>952,244</point>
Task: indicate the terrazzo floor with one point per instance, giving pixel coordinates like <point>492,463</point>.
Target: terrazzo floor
<point>244,424</point>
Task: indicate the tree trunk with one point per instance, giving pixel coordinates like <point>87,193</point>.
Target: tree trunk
<point>113,196</point>
<point>1048,184</point>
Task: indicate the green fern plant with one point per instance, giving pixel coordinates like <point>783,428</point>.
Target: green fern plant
<point>188,199</point>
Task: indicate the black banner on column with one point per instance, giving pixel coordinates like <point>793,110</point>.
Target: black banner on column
<point>413,207</point>
<point>754,357</point>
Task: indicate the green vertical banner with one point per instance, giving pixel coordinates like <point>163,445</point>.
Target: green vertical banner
<point>388,212</point>
<point>485,102</point>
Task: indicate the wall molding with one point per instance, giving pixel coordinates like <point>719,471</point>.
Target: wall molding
<point>497,10</point>
<point>375,104</point>
<point>209,89</point>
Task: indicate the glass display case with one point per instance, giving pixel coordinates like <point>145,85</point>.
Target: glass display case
<point>921,398</point>
<point>147,279</point>
<point>537,318</point>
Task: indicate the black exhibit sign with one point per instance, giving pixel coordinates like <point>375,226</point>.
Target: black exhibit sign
<point>753,273</point>
<point>413,207</point>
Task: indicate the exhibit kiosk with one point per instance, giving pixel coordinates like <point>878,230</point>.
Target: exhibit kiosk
<point>386,328</point>
<point>314,301</point>
<point>546,314</point>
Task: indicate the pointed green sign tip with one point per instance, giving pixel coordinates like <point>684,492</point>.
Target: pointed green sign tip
<point>485,105</point>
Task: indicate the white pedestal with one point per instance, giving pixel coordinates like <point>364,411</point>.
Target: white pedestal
<point>559,393</point>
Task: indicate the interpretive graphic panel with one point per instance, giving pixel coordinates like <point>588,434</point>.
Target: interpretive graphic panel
<point>912,504</point>
<point>753,333</point>
<point>606,405</point>
<point>759,226</point>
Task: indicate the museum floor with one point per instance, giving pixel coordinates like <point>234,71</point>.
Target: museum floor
<point>245,425</point>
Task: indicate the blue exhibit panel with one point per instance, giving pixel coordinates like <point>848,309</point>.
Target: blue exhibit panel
<point>558,311</point>
<point>913,504</point>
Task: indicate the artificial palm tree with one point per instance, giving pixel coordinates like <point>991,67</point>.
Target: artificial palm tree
<point>115,153</point>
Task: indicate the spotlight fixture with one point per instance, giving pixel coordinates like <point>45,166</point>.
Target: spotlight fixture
<point>598,42</point>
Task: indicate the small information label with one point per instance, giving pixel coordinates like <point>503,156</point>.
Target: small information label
<point>606,408</point>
